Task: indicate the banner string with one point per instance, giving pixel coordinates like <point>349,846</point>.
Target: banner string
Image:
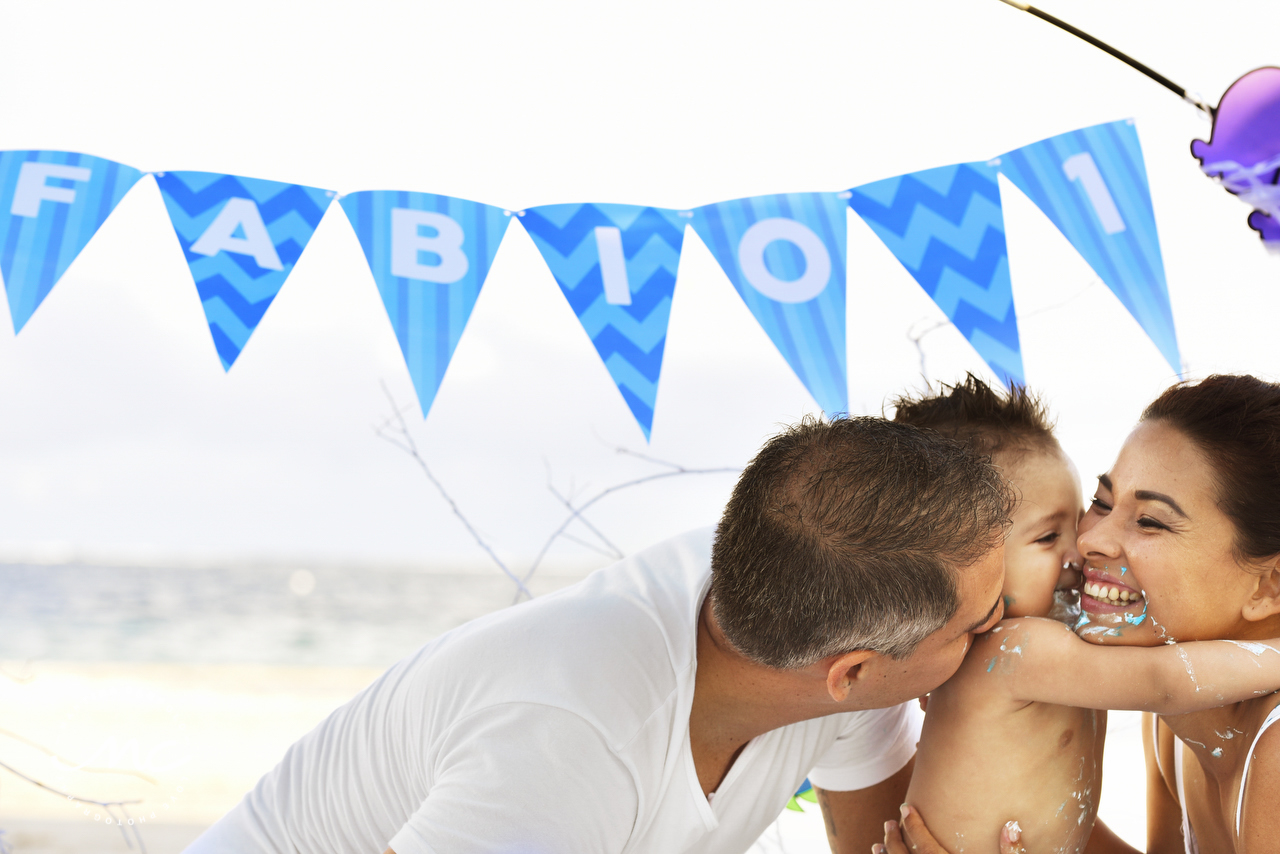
<point>1182,93</point>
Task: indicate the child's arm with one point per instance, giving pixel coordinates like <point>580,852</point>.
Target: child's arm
<point>1038,660</point>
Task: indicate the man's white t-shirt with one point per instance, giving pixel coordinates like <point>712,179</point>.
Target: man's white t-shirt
<point>560,726</point>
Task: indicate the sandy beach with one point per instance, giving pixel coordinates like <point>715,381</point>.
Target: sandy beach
<point>186,741</point>
<point>183,741</point>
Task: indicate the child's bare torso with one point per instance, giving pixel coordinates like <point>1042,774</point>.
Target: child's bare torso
<point>986,758</point>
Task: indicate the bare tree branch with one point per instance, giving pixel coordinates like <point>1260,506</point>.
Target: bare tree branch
<point>23,678</point>
<point>395,431</point>
<point>917,337</point>
<point>403,440</point>
<point>613,551</point>
<point>47,752</point>
<point>109,806</point>
<point>576,512</point>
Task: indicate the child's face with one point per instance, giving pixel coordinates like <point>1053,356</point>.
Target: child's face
<point>1043,537</point>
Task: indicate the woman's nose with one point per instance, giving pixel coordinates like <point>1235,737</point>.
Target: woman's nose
<point>1096,540</point>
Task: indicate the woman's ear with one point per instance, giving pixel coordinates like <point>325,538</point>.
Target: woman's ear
<point>1265,601</point>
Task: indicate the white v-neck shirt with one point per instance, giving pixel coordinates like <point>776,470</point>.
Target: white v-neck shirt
<point>554,727</point>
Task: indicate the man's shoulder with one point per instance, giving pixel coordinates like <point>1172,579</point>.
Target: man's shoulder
<point>613,649</point>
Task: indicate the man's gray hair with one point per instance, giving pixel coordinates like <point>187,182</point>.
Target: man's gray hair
<point>847,534</point>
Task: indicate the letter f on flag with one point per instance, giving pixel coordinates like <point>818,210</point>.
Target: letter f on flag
<point>51,205</point>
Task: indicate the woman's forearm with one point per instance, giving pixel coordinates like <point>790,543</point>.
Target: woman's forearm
<point>1207,674</point>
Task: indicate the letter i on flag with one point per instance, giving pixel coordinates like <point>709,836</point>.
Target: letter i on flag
<point>429,256</point>
<point>616,265</point>
<point>785,255</point>
<point>241,238</point>
<point>1092,184</point>
<point>946,226</point>
<point>51,205</point>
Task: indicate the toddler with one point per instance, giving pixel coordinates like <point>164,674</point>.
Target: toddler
<point>1019,730</point>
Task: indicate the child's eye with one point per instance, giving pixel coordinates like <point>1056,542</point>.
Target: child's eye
<point>1148,522</point>
<point>1049,538</point>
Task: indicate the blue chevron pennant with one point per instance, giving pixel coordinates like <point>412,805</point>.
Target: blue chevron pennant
<point>241,238</point>
<point>616,264</point>
<point>429,256</point>
<point>51,205</point>
<point>1092,184</point>
<point>946,226</point>
<point>785,255</point>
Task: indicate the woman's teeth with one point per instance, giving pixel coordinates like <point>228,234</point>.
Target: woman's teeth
<point>1107,593</point>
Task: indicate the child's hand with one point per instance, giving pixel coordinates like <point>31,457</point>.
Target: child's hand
<point>922,842</point>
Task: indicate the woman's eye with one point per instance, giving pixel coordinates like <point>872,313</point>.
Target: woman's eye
<point>1148,522</point>
<point>1099,505</point>
<point>1049,539</point>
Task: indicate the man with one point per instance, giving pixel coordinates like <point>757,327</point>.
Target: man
<point>674,701</point>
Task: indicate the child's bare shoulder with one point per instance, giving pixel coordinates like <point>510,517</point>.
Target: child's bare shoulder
<point>1010,645</point>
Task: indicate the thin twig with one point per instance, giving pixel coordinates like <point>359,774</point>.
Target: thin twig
<point>109,806</point>
<point>47,752</point>
<point>613,550</point>
<point>916,339</point>
<point>578,511</point>
<point>406,443</point>
<point>21,680</point>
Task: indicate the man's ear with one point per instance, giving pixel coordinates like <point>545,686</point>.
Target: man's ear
<point>844,671</point>
<point>1265,601</point>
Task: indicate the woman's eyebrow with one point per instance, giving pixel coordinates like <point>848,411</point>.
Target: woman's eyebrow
<point>1105,481</point>
<point>1148,495</point>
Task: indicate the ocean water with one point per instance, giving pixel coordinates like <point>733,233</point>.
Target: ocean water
<point>262,615</point>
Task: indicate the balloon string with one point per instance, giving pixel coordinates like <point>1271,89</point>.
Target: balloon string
<point>1123,57</point>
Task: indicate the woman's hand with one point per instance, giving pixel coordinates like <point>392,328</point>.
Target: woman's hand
<point>912,837</point>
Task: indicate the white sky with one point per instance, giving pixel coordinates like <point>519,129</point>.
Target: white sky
<point>121,436</point>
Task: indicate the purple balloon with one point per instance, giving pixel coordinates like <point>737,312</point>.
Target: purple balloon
<point>1244,149</point>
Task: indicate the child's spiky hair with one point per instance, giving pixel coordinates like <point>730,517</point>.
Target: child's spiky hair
<point>989,421</point>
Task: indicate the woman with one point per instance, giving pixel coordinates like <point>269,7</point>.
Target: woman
<point>1189,516</point>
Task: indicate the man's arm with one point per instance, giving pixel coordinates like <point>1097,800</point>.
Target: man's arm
<point>855,820</point>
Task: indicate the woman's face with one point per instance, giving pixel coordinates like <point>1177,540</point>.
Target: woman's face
<point>1154,534</point>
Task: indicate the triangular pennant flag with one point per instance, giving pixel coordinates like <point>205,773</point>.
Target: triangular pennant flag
<point>785,255</point>
<point>429,256</point>
<point>946,226</point>
<point>241,238</point>
<point>1092,184</point>
<point>617,267</point>
<point>51,205</point>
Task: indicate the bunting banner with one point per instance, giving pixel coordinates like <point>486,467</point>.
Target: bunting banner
<point>1092,184</point>
<point>616,265</point>
<point>241,238</point>
<point>51,205</point>
<point>429,256</point>
<point>785,255</point>
<point>946,226</point>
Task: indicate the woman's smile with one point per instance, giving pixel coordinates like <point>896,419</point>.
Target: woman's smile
<point>1105,592</point>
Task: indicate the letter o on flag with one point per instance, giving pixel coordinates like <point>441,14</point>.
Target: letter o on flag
<point>817,261</point>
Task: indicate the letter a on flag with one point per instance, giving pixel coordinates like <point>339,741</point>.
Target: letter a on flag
<point>241,238</point>
<point>617,267</point>
<point>429,256</point>
<point>946,226</point>
<point>51,204</point>
<point>1092,184</point>
<point>785,255</point>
